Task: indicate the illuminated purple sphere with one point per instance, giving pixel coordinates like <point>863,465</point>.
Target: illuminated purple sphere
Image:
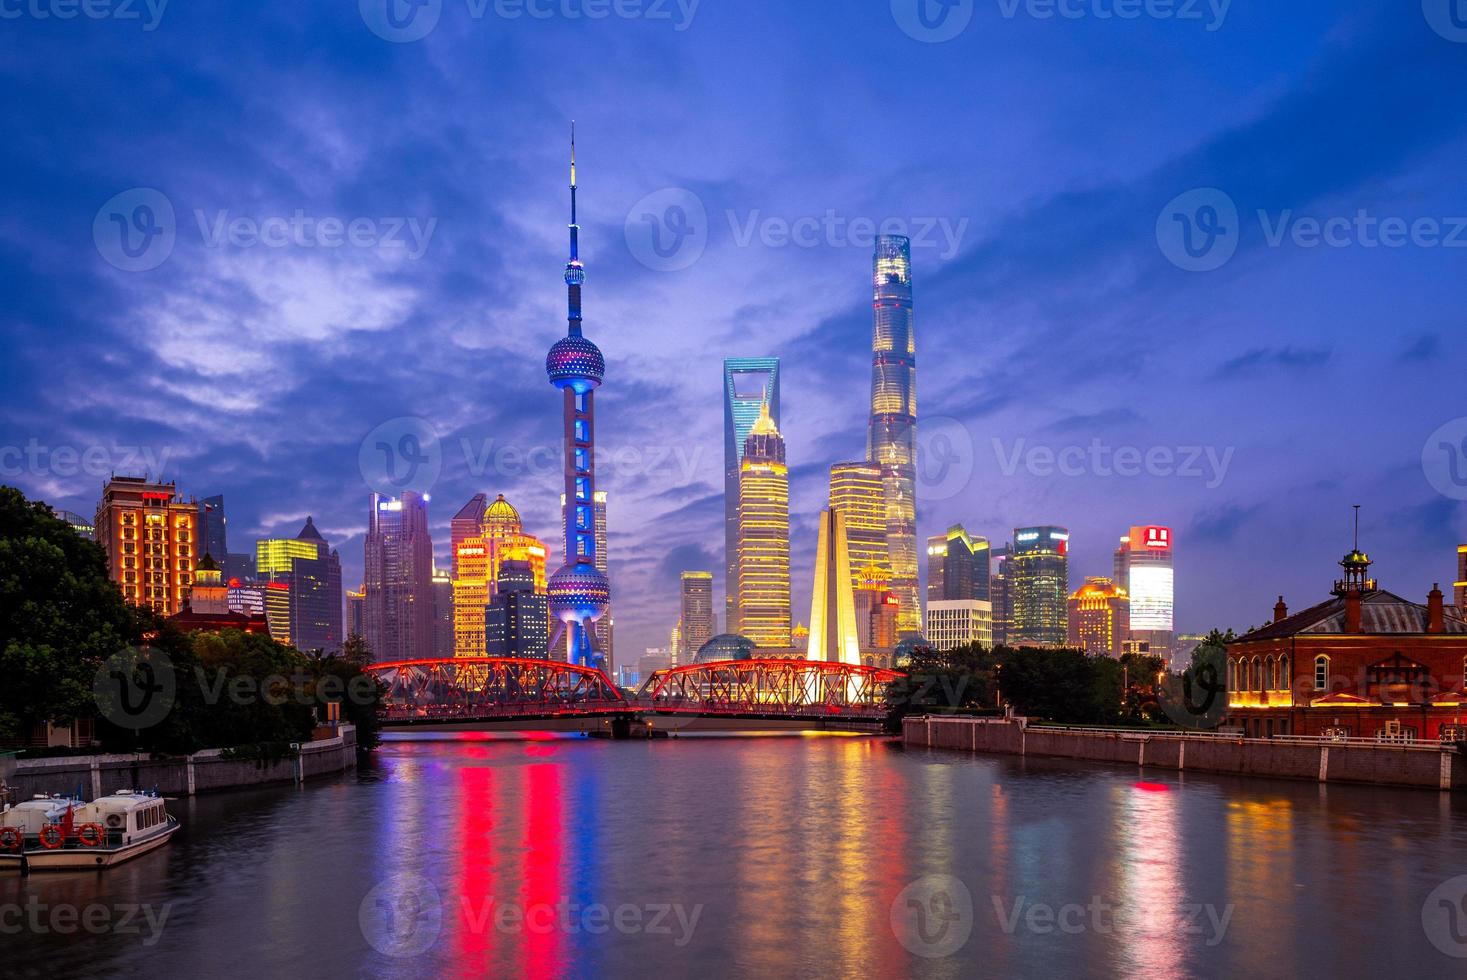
<point>577,593</point>
<point>575,362</point>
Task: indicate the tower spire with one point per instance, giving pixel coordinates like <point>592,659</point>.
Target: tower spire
<point>575,273</point>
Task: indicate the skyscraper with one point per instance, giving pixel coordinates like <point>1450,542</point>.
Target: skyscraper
<point>1040,571</point>
<point>857,492</point>
<point>957,566</point>
<point>479,557</point>
<point>1143,568</point>
<point>579,592</point>
<point>695,628</point>
<point>1461,589</point>
<point>1001,594</point>
<point>356,613</point>
<point>891,440</point>
<point>749,385</point>
<point>467,523</point>
<point>213,539</point>
<point>1100,615</point>
<point>764,537</point>
<point>834,635</point>
<point>148,533</point>
<point>312,573</point>
<point>399,578</point>
<point>876,613</point>
<point>442,613</point>
<point>516,622</point>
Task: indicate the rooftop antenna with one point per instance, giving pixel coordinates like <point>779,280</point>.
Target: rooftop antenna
<point>1357,527</point>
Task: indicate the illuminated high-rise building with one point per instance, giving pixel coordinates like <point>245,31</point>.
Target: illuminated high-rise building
<point>1039,569</point>
<point>1001,594</point>
<point>856,490</point>
<point>312,571</point>
<point>516,622</point>
<point>1100,614</point>
<point>750,386</point>
<point>876,614</point>
<point>834,635</point>
<point>277,610</point>
<point>442,613</point>
<point>467,523</point>
<point>1143,568</point>
<point>891,439</point>
<point>213,539</point>
<point>479,558</point>
<point>953,623</point>
<point>1461,589</point>
<point>695,628</point>
<point>356,613</point>
<point>764,538</point>
<point>399,578</point>
<point>148,533</point>
<point>580,593</point>
<point>957,566</point>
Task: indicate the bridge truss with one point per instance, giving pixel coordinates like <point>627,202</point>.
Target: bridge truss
<point>768,689</point>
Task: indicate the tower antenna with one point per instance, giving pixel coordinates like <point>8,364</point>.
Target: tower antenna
<point>1357,527</point>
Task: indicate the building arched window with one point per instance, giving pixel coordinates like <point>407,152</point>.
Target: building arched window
<point>1321,673</point>
<point>1286,678</point>
<point>1271,674</point>
<point>1257,674</point>
<point>1232,673</point>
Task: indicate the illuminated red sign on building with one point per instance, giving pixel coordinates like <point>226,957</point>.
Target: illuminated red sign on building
<point>1158,538</point>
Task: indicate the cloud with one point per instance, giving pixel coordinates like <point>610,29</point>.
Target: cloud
<point>1262,359</point>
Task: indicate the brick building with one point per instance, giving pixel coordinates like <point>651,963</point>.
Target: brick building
<point>1364,664</point>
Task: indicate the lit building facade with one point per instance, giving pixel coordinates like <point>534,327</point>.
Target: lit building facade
<point>1461,586</point>
<point>399,578</point>
<point>442,613</point>
<point>750,386</point>
<point>516,623</point>
<point>695,627</point>
<point>1144,569</point>
<point>953,623</point>
<point>764,537</point>
<point>834,635</point>
<point>876,616</point>
<point>891,440</point>
<point>83,526</point>
<point>149,534</point>
<point>580,593</point>
<point>213,538</point>
<point>857,491</point>
<point>467,523</point>
<point>1363,664</point>
<point>1039,569</point>
<point>356,613</point>
<point>312,571</point>
<point>208,607</point>
<point>1001,594</point>
<point>501,539</point>
<point>957,566</point>
<point>1100,615</point>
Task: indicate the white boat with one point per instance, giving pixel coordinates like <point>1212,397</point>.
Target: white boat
<point>54,833</point>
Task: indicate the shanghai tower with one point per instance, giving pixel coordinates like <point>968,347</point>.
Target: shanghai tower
<point>891,440</point>
<point>579,592</point>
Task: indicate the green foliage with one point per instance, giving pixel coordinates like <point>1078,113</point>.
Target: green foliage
<point>60,617</point>
<point>1064,686</point>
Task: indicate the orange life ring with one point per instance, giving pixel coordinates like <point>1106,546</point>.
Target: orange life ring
<point>11,839</point>
<point>52,837</point>
<point>91,834</point>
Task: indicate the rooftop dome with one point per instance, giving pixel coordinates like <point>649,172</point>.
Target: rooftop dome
<point>502,517</point>
<point>575,362</point>
<point>725,646</point>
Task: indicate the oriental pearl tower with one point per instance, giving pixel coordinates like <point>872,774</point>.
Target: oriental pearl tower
<point>579,593</point>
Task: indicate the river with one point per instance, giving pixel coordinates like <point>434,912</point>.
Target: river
<point>764,856</point>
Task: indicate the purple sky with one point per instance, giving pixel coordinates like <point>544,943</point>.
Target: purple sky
<point>1044,151</point>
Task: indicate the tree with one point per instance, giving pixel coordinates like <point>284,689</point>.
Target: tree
<point>61,617</point>
<point>935,681</point>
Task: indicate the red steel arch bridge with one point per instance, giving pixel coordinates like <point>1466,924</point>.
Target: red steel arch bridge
<point>501,691</point>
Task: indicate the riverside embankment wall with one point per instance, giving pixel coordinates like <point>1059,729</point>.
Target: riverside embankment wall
<point>1425,765</point>
<point>202,772</point>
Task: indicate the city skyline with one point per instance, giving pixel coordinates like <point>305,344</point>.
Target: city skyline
<point>264,389</point>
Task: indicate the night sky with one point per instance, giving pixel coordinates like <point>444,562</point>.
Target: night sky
<point>1035,160</point>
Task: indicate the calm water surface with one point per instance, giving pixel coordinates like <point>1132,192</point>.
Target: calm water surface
<point>763,857</point>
